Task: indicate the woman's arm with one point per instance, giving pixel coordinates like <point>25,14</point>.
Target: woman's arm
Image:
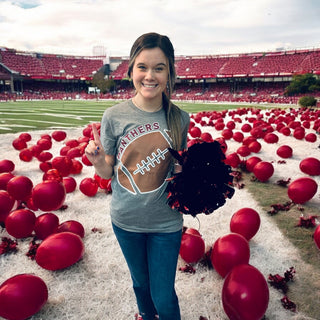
<point>102,163</point>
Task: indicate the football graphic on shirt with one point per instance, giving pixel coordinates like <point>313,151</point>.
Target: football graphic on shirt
<point>144,163</point>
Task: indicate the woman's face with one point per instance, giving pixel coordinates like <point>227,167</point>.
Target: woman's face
<point>150,76</point>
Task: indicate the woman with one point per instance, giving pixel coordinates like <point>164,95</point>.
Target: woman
<point>133,150</point>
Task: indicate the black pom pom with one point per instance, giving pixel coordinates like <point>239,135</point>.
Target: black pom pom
<point>205,181</point>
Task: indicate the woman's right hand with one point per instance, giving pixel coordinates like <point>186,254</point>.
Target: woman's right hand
<point>94,150</point>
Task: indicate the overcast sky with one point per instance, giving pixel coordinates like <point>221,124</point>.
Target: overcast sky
<point>194,26</point>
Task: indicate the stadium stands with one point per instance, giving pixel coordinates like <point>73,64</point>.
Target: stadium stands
<point>254,77</point>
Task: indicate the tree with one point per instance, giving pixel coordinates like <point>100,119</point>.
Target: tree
<point>303,83</point>
<point>307,101</point>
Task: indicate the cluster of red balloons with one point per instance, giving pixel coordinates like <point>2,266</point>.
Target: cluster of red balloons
<point>61,244</point>
<point>267,127</point>
<point>245,293</point>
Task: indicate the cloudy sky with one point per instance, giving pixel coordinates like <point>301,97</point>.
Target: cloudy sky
<point>194,26</point>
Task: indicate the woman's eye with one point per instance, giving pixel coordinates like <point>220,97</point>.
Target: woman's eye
<point>159,69</point>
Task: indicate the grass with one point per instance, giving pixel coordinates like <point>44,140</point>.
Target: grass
<point>42,115</point>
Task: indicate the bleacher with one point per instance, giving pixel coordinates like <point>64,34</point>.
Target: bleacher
<point>49,66</point>
<point>282,63</point>
<point>248,78</point>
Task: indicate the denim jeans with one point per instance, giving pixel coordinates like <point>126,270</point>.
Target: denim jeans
<point>152,261</point>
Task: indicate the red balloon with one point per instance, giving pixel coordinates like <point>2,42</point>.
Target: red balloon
<point>206,136</point>
<point>44,143</point>
<point>20,223</point>
<point>192,247</point>
<point>316,236</point>
<point>311,137</point>
<point>5,177</point>
<point>25,136</point>
<point>76,167</point>
<point>20,187</point>
<point>45,225</point>
<point>70,184</point>
<point>25,155</point>
<point>52,174</point>
<point>195,132</point>
<point>45,166</point>
<point>21,296</point>
<point>263,170</point>
<point>44,156</point>
<point>6,204</point>
<point>246,222</point>
<point>6,165</point>
<point>19,144</point>
<point>302,190</point>
<point>59,251</point>
<point>59,135</point>
<point>227,133</point>
<point>85,160</point>
<point>72,143</point>
<point>285,131</point>
<point>243,151</point>
<point>246,127</point>
<point>63,164</point>
<point>232,160</point>
<point>238,136</point>
<point>89,187</point>
<point>284,152</point>
<point>36,150</point>
<point>254,146</point>
<point>245,293</point>
<point>72,226</point>
<point>49,195</point>
<point>229,251</point>
<point>310,166</point>
<point>271,138</point>
<point>251,162</point>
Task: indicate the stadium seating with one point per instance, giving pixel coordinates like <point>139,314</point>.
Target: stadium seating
<point>237,77</point>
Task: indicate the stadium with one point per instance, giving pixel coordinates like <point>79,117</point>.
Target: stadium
<point>98,285</point>
<point>260,77</point>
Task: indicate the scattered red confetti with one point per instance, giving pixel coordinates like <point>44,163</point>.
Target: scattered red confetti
<point>283,183</point>
<point>288,304</point>
<point>8,245</point>
<point>187,269</point>
<point>280,207</point>
<point>33,247</point>
<point>309,222</point>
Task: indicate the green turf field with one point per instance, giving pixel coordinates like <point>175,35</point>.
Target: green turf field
<point>41,115</point>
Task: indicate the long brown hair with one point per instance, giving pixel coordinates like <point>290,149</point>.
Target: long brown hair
<point>154,40</point>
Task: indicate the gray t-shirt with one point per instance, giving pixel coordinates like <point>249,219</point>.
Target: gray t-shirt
<point>140,140</point>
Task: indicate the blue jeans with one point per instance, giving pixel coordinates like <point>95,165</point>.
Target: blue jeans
<point>152,261</point>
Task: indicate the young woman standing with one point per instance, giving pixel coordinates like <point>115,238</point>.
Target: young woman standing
<point>133,150</point>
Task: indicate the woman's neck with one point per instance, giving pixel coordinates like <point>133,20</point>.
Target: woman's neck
<point>148,107</point>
